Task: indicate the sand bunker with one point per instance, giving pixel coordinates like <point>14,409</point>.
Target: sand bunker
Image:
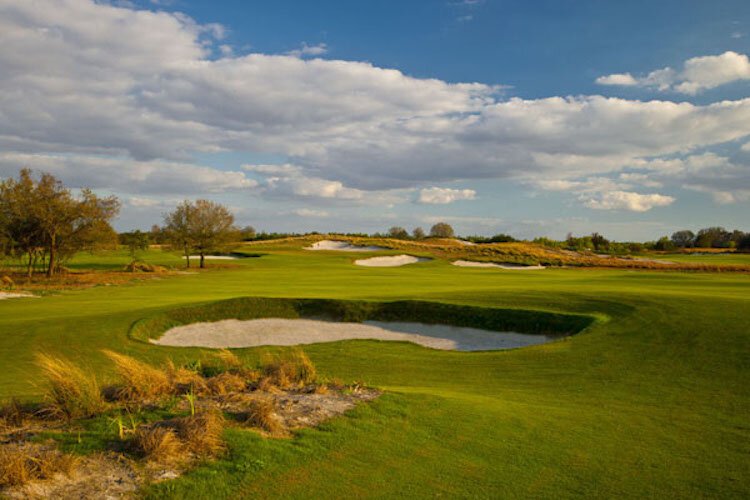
<point>9,295</point>
<point>513,267</point>
<point>342,246</point>
<point>288,332</point>
<point>390,261</point>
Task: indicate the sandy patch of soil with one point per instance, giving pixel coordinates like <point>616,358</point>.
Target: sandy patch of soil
<point>513,267</point>
<point>342,246</point>
<point>232,333</point>
<point>390,261</point>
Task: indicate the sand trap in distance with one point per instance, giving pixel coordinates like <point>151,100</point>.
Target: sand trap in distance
<point>471,263</point>
<point>390,261</point>
<point>342,246</point>
<point>9,295</point>
<point>232,333</point>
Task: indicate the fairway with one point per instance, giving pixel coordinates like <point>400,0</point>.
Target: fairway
<point>650,400</point>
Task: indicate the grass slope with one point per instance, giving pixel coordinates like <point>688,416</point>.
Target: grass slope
<point>650,401</point>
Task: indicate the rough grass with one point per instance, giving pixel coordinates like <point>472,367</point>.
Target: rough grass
<point>202,433</point>
<point>21,464</point>
<point>159,444</point>
<point>140,380</point>
<point>262,414</point>
<point>71,392</point>
<point>287,369</point>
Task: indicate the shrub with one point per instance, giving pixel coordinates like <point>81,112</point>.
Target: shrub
<point>71,393</point>
<point>140,380</point>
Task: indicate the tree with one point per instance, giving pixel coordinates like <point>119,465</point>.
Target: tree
<point>599,242</point>
<point>45,215</point>
<point>743,245</point>
<point>712,237</point>
<point>664,243</point>
<point>398,233</point>
<point>683,239</point>
<point>418,233</point>
<point>200,227</point>
<point>441,230</point>
<point>136,241</point>
<point>247,233</point>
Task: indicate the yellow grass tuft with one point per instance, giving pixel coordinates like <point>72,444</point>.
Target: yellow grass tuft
<point>71,392</point>
<point>140,380</point>
<point>225,383</point>
<point>202,434</point>
<point>262,414</point>
<point>183,380</point>
<point>19,464</point>
<point>159,444</point>
<point>290,369</point>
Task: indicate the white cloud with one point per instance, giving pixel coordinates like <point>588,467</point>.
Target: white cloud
<point>443,196</point>
<point>307,212</point>
<point>306,50</point>
<point>625,79</point>
<point>697,74</point>
<point>624,200</point>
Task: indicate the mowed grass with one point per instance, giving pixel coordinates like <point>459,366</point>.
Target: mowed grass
<point>650,401</point>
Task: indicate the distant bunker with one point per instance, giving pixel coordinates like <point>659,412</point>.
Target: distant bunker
<point>254,322</point>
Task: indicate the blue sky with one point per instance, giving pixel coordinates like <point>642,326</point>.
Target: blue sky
<point>534,118</point>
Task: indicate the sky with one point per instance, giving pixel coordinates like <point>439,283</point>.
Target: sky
<point>534,118</point>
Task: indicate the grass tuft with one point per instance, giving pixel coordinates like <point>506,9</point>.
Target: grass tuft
<point>202,433</point>
<point>261,413</point>
<point>19,465</point>
<point>159,444</point>
<point>71,393</point>
<point>225,383</point>
<point>292,368</point>
<point>140,380</point>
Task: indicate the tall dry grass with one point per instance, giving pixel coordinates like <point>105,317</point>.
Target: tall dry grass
<point>286,370</point>
<point>140,380</point>
<point>71,393</point>
<point>21,464</point>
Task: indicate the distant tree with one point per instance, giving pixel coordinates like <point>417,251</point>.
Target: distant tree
<point>136,241</point>
<point>418,233</point>
<point>20,231</point>
<point>599,242</point>
<point>743,244</point>
<point>398,233</point>
<point>247,233</point>
<point>683,239</point>
<point>200,227</point>
<point>664,243</point>
<point>712,237</point>
<point>442,230</point>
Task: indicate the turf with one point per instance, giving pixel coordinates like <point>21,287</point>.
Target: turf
<point>651,400</point>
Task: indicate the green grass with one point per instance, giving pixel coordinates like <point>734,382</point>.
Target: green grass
<point>652,400</point>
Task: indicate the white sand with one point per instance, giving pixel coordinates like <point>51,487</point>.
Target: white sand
<point>465,243</point>
<point>287,332</point>
<point>9,295</point>
<point>212,257</point>
<point>471,263</point>
<point>342,246</point>
<point>390,261</point>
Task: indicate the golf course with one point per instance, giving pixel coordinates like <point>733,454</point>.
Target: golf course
<point>649,397</point>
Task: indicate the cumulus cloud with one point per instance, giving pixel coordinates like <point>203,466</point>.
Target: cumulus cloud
<point>306,50</point>
<point>123,99</point>
<point>697,74</point>
<point>443,196</point>
<point>624,200</point>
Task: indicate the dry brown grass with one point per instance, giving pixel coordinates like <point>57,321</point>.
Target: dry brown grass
<point>202,433</point>
<point>227,360</point>
<point>159,444</point>
<point>21,464</point>
<point>140,380</point>
<point>183,380</point>
<point>261,413</point>
<point>292,368</point>
<point>13,414</point>
<point>225,383</point>
<point>71,393</point>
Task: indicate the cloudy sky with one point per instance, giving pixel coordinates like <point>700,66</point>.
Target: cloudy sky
<point>534,118</point>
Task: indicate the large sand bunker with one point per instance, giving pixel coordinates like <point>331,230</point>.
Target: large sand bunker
<point>288,332</point>
<point>390,261</point>
<point>342,246</point>
<point>514,267</point>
